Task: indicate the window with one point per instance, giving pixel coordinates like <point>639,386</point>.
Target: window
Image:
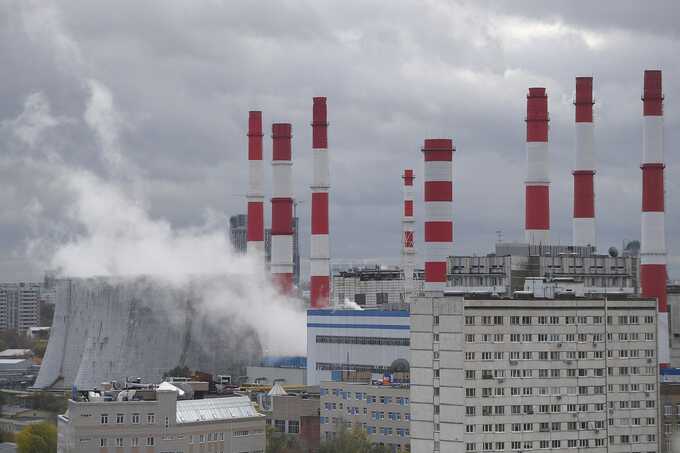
<point>104,419</point>
<point>150,441</point>
<point>381,298</point>
<point>103,442</point>
<point>293,426</point>
<point>119,442</point>
<point>150,418</point>
<point>135,441</point>
<point>470,411</point>
<point>280,426</point>
<point>469,320</point>
<point>120,418</point>
<point>360,299</point>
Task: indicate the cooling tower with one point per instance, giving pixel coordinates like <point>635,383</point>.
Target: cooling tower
<point>109,329</point>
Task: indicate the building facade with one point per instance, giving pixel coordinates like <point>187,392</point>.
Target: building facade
<point>297,415</point>
<point>160,423</point>
<point>19,305</point>
<point>669,410</point>
<point>361,340</point>
<point>380,410</point>
<point>238,232</point>
<point>538,374</point>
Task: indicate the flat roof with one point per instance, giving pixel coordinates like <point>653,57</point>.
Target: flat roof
<point>215,409</point>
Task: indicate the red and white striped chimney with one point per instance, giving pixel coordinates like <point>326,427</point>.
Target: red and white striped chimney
<point>584,170</point>
<point>255,196</point>
<point>438,155</point>
<point>282,208</point>
<point>537,184</point>
<point>653,247</point>
<point>319,256</point>
<point>408,251</point>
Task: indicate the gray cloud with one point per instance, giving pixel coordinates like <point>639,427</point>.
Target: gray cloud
<point>182,77</point>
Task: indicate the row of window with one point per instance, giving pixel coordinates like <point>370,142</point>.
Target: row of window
<point>134,419</point>
<point>558,426</point>
<point>560,355</point>
<point>530,409</point>
<point>557,372</point>
<point>121,442</point>
<point>529,445</point>
<point>488,392</point>
<point>498,320</point>
<point>557,338</point>
<point>363,396</point>
<point>382,341</point>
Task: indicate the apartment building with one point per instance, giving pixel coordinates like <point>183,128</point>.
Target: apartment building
<point>19,305</point>
<point>669,410</point>
<point>154,421</point>
<point>536,375</point>
<point>380,410</point>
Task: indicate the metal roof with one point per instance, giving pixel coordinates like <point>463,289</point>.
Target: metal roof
<point>215,409</point>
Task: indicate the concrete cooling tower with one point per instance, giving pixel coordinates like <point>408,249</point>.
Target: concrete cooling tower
<point>113,328</point>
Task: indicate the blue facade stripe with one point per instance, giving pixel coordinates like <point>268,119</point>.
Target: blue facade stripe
<point>376,313</point>
<point>359,326</point>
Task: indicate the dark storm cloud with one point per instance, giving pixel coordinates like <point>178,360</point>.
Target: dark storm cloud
<point>183,75</point>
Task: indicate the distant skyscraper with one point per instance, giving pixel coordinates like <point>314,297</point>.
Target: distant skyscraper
<point>238,229</point>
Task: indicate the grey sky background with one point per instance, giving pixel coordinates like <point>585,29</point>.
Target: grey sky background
<point>177,79</point>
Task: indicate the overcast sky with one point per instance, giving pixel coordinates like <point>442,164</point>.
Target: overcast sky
<point>168,85</point>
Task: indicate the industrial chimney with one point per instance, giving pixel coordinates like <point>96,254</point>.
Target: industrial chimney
<point>438,155</point>
<point>255,195</point>
<point>653,246</point>
<point>407,250</point>
<point>537,184</point>
<point>319,256</point>
<point>584,170</point>
<point>282,208</point>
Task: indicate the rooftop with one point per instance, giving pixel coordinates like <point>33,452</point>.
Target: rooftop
<point>214,409</point>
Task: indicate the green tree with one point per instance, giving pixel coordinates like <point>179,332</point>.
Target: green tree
<point>38,438</point>
<point>351,441</point>
<point>278,442</point>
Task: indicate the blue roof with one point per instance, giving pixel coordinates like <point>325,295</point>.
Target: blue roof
<point>364,313</point>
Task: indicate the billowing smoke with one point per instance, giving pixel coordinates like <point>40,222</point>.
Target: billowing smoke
<point>105,228</point>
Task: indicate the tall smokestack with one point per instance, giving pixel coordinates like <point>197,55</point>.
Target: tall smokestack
<point>255,196</point>
<point>438,155</point>
<point>408,251</point>
<point>584,171</point>
<point>653,247</point>
<point>537,184</point>
<point>319,256</point>
<point>282,208</point>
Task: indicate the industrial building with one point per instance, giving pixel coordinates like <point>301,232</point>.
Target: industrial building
<point>238,232</point>
<point>154,420</point>
<point>360,340</point>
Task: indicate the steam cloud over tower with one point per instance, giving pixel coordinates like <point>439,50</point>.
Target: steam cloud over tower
<point>653,243</point>
<point>408,251</point>
<point>584,170</point>
<point>438,155</point>
<point>537,184</point>
<point>319,256</point>
<point>282,208</point>
<point>255,196</point>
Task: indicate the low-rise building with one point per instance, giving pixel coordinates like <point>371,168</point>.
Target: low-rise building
<point>297,415</point>
<point>155,421</point>
<point>382,410</point>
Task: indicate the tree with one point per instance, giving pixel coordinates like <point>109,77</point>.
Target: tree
<point>178,371</point>
<point>351,441</point>
<point>278,442</point>
<point>38,438</point>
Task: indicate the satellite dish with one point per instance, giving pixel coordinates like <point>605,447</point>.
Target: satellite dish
<point>613,252</point>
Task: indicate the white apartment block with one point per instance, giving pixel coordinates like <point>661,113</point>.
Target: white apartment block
<point>19,305</point>
<point>537,375</point>
<point>160,423</point>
